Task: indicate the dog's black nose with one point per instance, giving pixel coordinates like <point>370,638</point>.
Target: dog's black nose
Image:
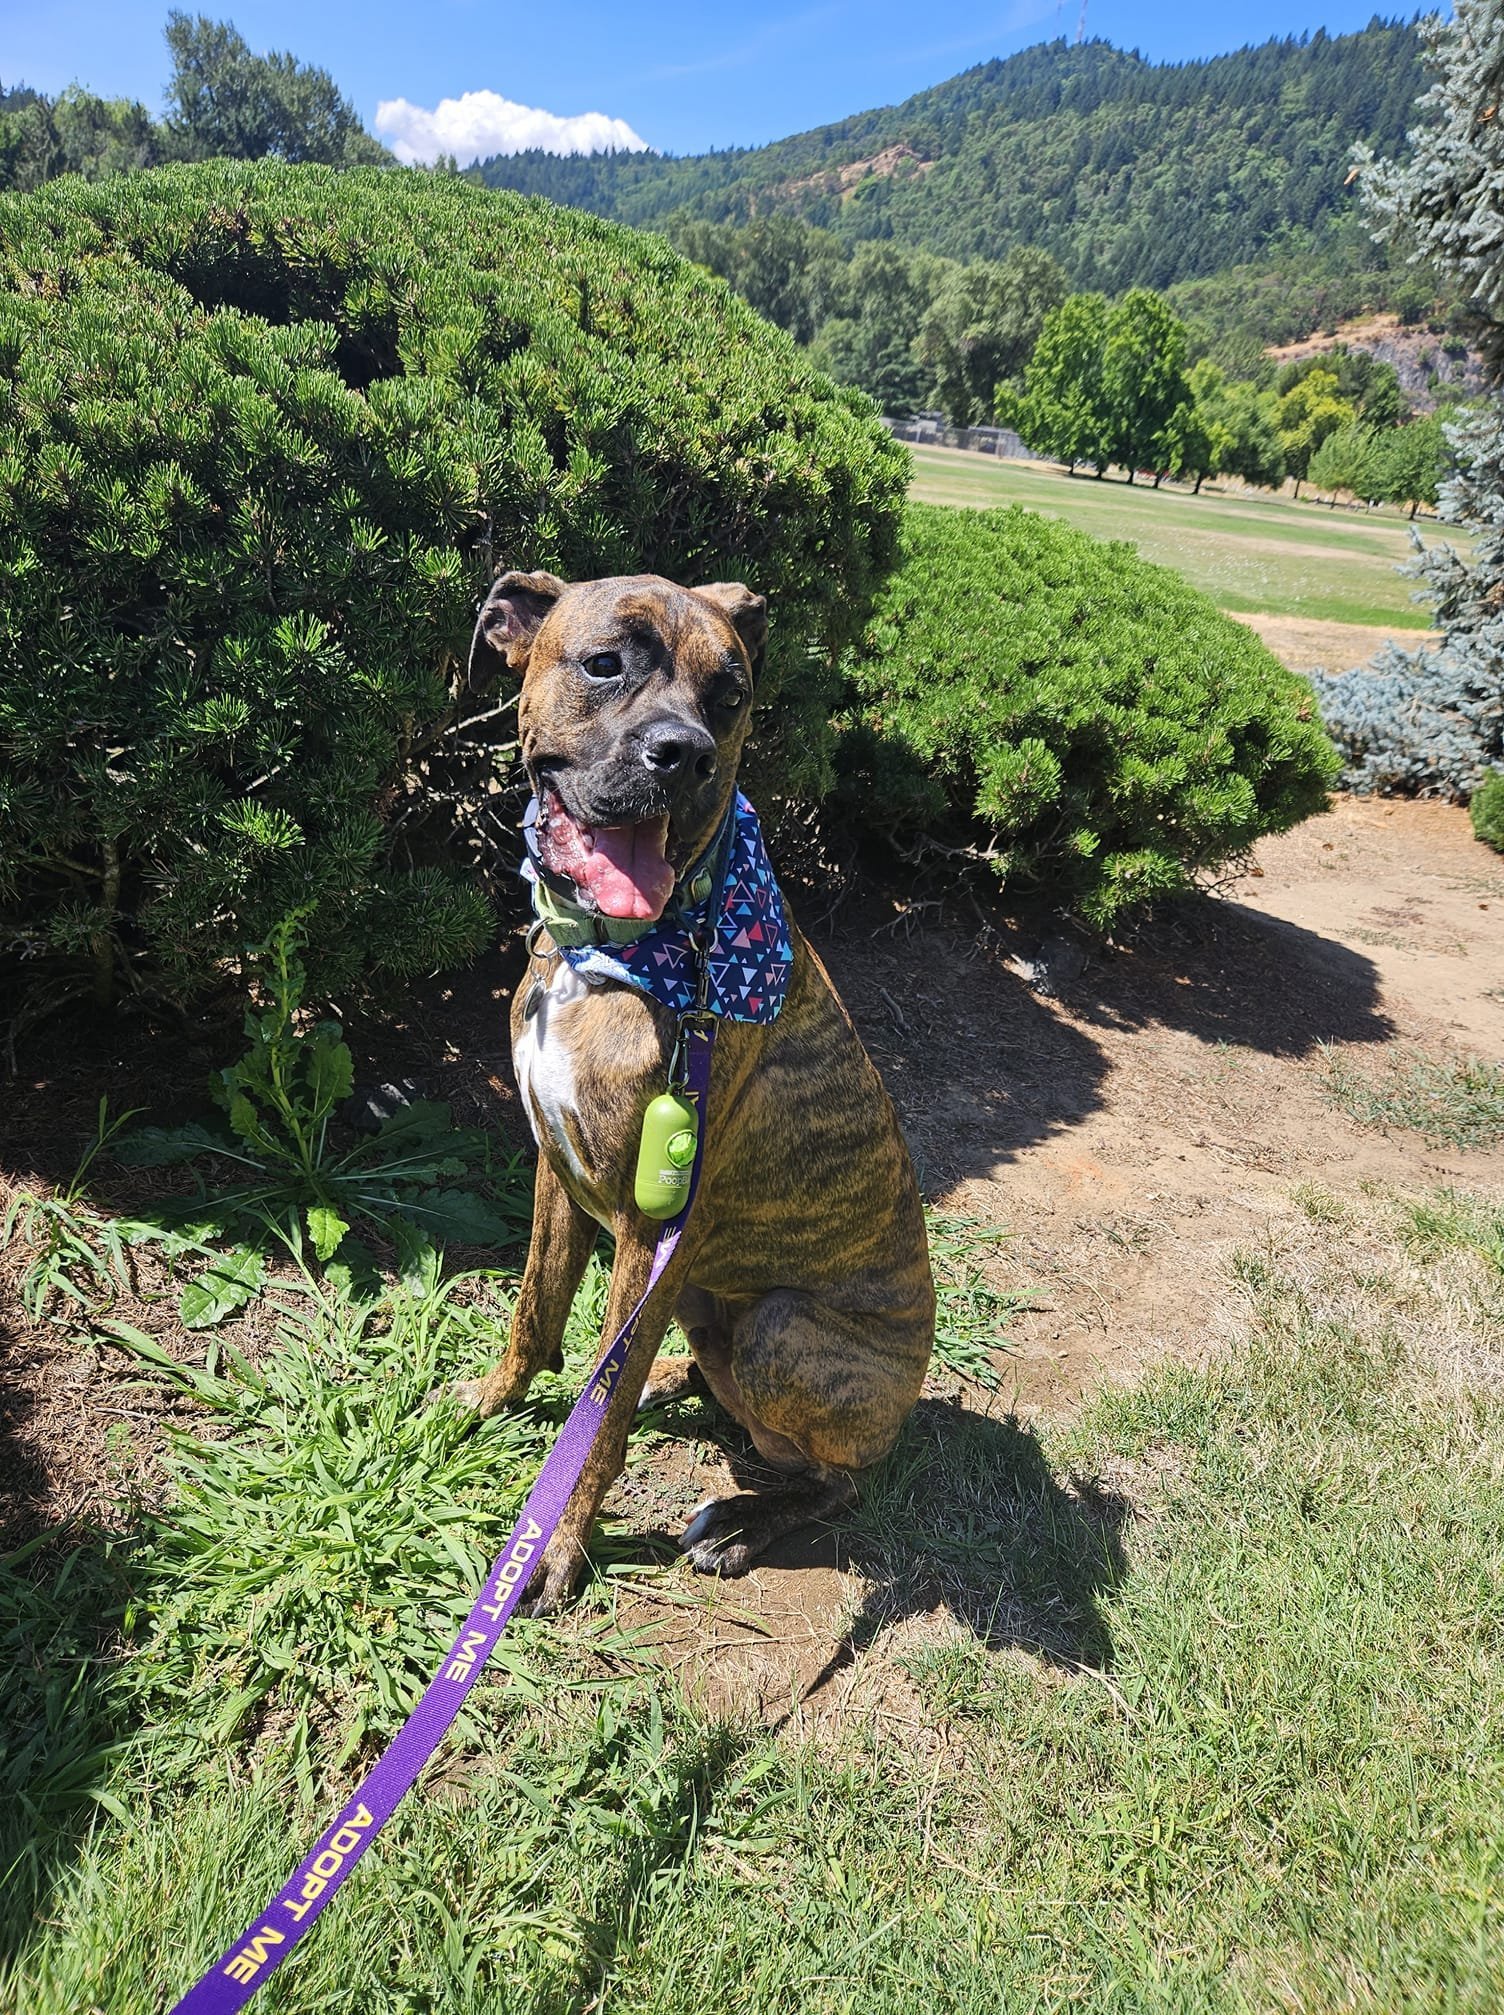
<point>677,750</point>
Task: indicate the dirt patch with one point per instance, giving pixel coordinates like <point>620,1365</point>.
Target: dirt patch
<point>1308,644</point>
<point>843,181</point>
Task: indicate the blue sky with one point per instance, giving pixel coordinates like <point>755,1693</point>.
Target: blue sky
<point>682,76</point>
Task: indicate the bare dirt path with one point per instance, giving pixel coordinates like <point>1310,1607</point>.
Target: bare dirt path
<point>1164,1108</point>
<point>1311,643</point>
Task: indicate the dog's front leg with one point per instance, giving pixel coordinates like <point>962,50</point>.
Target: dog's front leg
<point>557,1254</point>
<point>564,1557</point>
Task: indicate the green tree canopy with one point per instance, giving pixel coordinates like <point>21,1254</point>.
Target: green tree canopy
<point>226,100</point>
<point>1143,377</point>
<point>877,303</point>
<point>1238,423</point>
<point>981,327</point>
<point>1063,410</point>
<point>1348,459</point>
<point>1107,383</point>
<point>780,265</point>
<point>1369,385</point>
<point>1414,461</point>
<point>75,134</point>
<point>1307,413</point>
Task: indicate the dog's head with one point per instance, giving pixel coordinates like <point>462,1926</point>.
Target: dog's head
<point>636,696</point>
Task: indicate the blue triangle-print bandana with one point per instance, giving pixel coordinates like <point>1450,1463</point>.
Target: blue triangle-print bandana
<point>750,958</point>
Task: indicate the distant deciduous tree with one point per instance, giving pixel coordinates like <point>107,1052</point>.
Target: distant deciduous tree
<point>1370,386</point>
<point>981,328</point>
<point>1108,384</point>
<point>1348,459</point>
<point>1413,462</point>
<point>878,301</point>
<point>780,265</point>
<point>1307,413</point>
<point>1240,421</point>
<point>74,134</point>
<point>1143,377</point>
<point>1063,409</point>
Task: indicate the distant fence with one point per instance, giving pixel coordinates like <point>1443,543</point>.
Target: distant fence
<point>928,431</point>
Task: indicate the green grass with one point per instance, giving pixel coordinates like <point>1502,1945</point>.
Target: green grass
<point>973,1313</point>
<point>1451,1103</point>
<point>1251,554</point>
<point>1212,1718</point>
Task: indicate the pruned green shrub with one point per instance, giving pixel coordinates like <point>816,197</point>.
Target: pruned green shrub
<point>1486,810</point>
<point>1093,722</point>
<point>264,432</point>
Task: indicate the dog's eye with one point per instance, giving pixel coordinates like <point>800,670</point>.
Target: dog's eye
<point>602,665</point>
<point>732,697</point>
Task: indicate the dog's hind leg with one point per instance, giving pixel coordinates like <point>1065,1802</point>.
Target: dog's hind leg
<point>823,1395</point>
<point>557,1255</point>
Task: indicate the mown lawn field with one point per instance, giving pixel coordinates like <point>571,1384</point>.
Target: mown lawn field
<point>1249,554</point>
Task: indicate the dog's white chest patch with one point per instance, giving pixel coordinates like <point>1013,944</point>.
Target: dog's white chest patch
<point>544,1063</point>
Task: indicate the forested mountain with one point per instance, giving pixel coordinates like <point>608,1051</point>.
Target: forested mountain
<point>1130,173</point>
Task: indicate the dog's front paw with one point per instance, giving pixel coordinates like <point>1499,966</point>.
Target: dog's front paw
<point>498,1390</point>
<point>554,1579</point>
<point>469,1395</point>
<point>715,1540</point>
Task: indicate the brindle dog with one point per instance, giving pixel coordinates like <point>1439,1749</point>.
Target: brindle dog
<point>802,1279</point>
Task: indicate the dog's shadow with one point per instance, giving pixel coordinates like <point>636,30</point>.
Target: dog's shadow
<point>966,1516</point>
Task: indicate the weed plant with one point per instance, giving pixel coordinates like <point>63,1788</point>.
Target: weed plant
<point>299,1187</point>
<point>973,1315</point>
<point>279,1101</point>
<point>1486,810</point>
<point>1452,1103</point>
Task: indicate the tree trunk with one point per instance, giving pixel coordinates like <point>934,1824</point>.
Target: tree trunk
<point>1199,481</point>
<point>102,944</point>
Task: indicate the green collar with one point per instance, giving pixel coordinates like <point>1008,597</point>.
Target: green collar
<point>572,926</point>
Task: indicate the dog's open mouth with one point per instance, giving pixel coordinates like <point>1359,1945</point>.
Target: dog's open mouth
<point>623,869</point>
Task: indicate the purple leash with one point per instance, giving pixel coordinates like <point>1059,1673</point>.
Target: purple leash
<point>273,1935</point>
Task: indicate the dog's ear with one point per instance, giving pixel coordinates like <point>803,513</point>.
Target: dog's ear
<point>747,613</point>
<point>510,617</point>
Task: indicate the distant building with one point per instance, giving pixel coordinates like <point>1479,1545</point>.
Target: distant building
<point>929,430</point>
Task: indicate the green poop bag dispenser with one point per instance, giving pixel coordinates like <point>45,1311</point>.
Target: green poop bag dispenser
<point>666,1157</point>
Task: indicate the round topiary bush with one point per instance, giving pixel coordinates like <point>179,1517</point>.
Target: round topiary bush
<point>264,433</point>
<point>1094,722</point>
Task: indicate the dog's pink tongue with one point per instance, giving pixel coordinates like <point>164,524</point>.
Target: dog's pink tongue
<point>626,870</point>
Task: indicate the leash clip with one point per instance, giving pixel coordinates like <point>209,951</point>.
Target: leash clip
<point>699,1017</point>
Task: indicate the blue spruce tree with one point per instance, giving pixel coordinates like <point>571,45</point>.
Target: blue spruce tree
<point>1433,721</point>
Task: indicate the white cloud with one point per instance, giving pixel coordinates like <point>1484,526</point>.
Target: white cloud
<point>482,123</point>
